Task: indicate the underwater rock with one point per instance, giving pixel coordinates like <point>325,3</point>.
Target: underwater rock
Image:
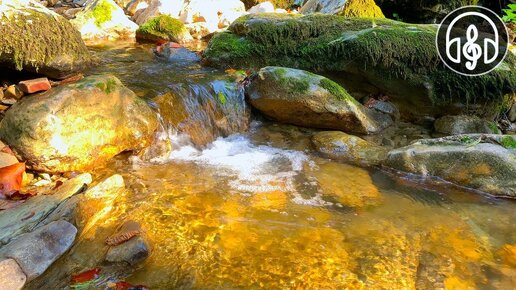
<point>35,39</point>
<point>37,250</point>
<point>348,8</point>
<point>78,126</point>
<point>371,55</point>
<point>456,125</point>
<point>341,146</point>
<point>163,28</point>
<point>306,99</point>
<point>104,20</point>
<point>483,162</point>
<point>133,247</point>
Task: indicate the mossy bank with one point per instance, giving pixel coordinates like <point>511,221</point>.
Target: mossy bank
<point>373,50</point>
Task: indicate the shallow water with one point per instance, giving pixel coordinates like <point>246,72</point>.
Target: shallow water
<point>261,210</point>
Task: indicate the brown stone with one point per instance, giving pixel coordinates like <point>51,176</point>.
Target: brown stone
<point>11,275</point>
<point>13,92</point>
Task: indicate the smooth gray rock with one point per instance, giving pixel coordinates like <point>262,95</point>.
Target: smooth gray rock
<point>132,251</point>
<point>37,250</point>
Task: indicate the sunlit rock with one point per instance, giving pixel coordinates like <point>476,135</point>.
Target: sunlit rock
<point>348,185</point>
<point>11,275</point>
<point>215,13</point>
<point>163,28</point>
<point>79,126</point>
<point>171,8</point>
<point>483,162</point>
<point>35,39</point>
<point>306,99</point>
<point>264,7</point>
<point>104,20</point>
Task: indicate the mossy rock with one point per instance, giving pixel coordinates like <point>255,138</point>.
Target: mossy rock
<point>375,50</point>
<point>305,99</point>
<point>348,8</point>
<point>165,28</point>
<point>35,39</point>
<point>482,162</point>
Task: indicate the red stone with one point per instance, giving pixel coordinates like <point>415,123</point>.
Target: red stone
<point>35,85</point>
<point>175,45</point>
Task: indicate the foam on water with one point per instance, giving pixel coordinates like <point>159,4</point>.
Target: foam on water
<point>254,168</point>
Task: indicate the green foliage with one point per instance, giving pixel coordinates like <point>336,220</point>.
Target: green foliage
<point>161,27</point>
<point>510,14</point>
<point>102,12</point>
<point>221,97</point>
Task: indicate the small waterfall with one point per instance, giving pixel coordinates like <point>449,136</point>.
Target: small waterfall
<point>198,113</point>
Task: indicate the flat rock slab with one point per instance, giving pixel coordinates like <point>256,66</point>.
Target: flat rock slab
<point>25,217</point>
<point>11,275</point>
<point>37,250</point>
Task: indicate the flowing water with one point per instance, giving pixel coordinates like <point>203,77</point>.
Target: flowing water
<point>250,205</point>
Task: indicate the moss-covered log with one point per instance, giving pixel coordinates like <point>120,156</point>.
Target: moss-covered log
<point>398,58</point>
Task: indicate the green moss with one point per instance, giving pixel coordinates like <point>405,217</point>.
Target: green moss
<point>161,27</point>
<point>297,83</point>
<point>508,142</point>
<point>32,40</point>
<point>389,48</point>
<point>493,127</point>
<point>336,90</point>
<point>102,12</point>
<point>107,85</point>
<point>362,8</point>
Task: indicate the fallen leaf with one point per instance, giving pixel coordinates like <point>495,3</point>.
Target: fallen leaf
<point>118,239</point>
<point>231,71</point>
<point>58,184</point>
<point>11,178</point>
<point>175,45</point>
<point>86,276</point>
<point>22,195</point>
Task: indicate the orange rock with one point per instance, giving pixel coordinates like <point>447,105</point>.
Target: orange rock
<point>35,85</point>
<point>508,254</point>
<point>11,178</point>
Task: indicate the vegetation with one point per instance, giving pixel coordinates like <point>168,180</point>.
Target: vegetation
<point>162,27</point>
<point>336,90</point>
<point>362,8</point>
<point>102,12</point>
<point>333,43</point>
<point>510,14</point>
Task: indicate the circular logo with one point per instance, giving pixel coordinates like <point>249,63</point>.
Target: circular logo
<point>472,40</point>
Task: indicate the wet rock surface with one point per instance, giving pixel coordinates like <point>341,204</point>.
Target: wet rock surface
<point>129,244</point>
<point>78,126</point>
<point>483,162</point>
<point>305,99</point>
<point>455,125</point>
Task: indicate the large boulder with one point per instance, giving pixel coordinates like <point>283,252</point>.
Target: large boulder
<point>456,125</point>
<point>79,126</point>
<point>366,56</point>
<point>35,39</point>
<point>163,28</point>
<point>104,20</point>
<point>306,99</point>
<point>422,11</point>
<point>349,8</point>
<point>483,162</point>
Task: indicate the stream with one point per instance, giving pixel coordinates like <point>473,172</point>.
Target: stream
<point>230,200</point>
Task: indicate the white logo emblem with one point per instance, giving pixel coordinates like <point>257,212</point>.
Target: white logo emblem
<point>474,42</point>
